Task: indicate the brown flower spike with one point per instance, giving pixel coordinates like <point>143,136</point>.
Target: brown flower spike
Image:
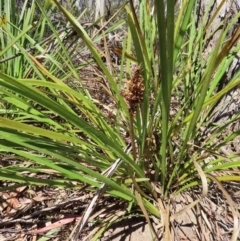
<point>134,94</point>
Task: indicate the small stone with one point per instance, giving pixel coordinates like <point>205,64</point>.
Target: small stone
<point>107,234</point>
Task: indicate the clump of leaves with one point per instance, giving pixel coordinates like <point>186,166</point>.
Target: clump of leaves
<point>166,110</point>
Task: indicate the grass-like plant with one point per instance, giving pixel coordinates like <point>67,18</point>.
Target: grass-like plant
<point>158,139</point>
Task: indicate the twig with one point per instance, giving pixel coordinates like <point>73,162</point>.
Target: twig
<point>26,218</point>
<point>82,222</point>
